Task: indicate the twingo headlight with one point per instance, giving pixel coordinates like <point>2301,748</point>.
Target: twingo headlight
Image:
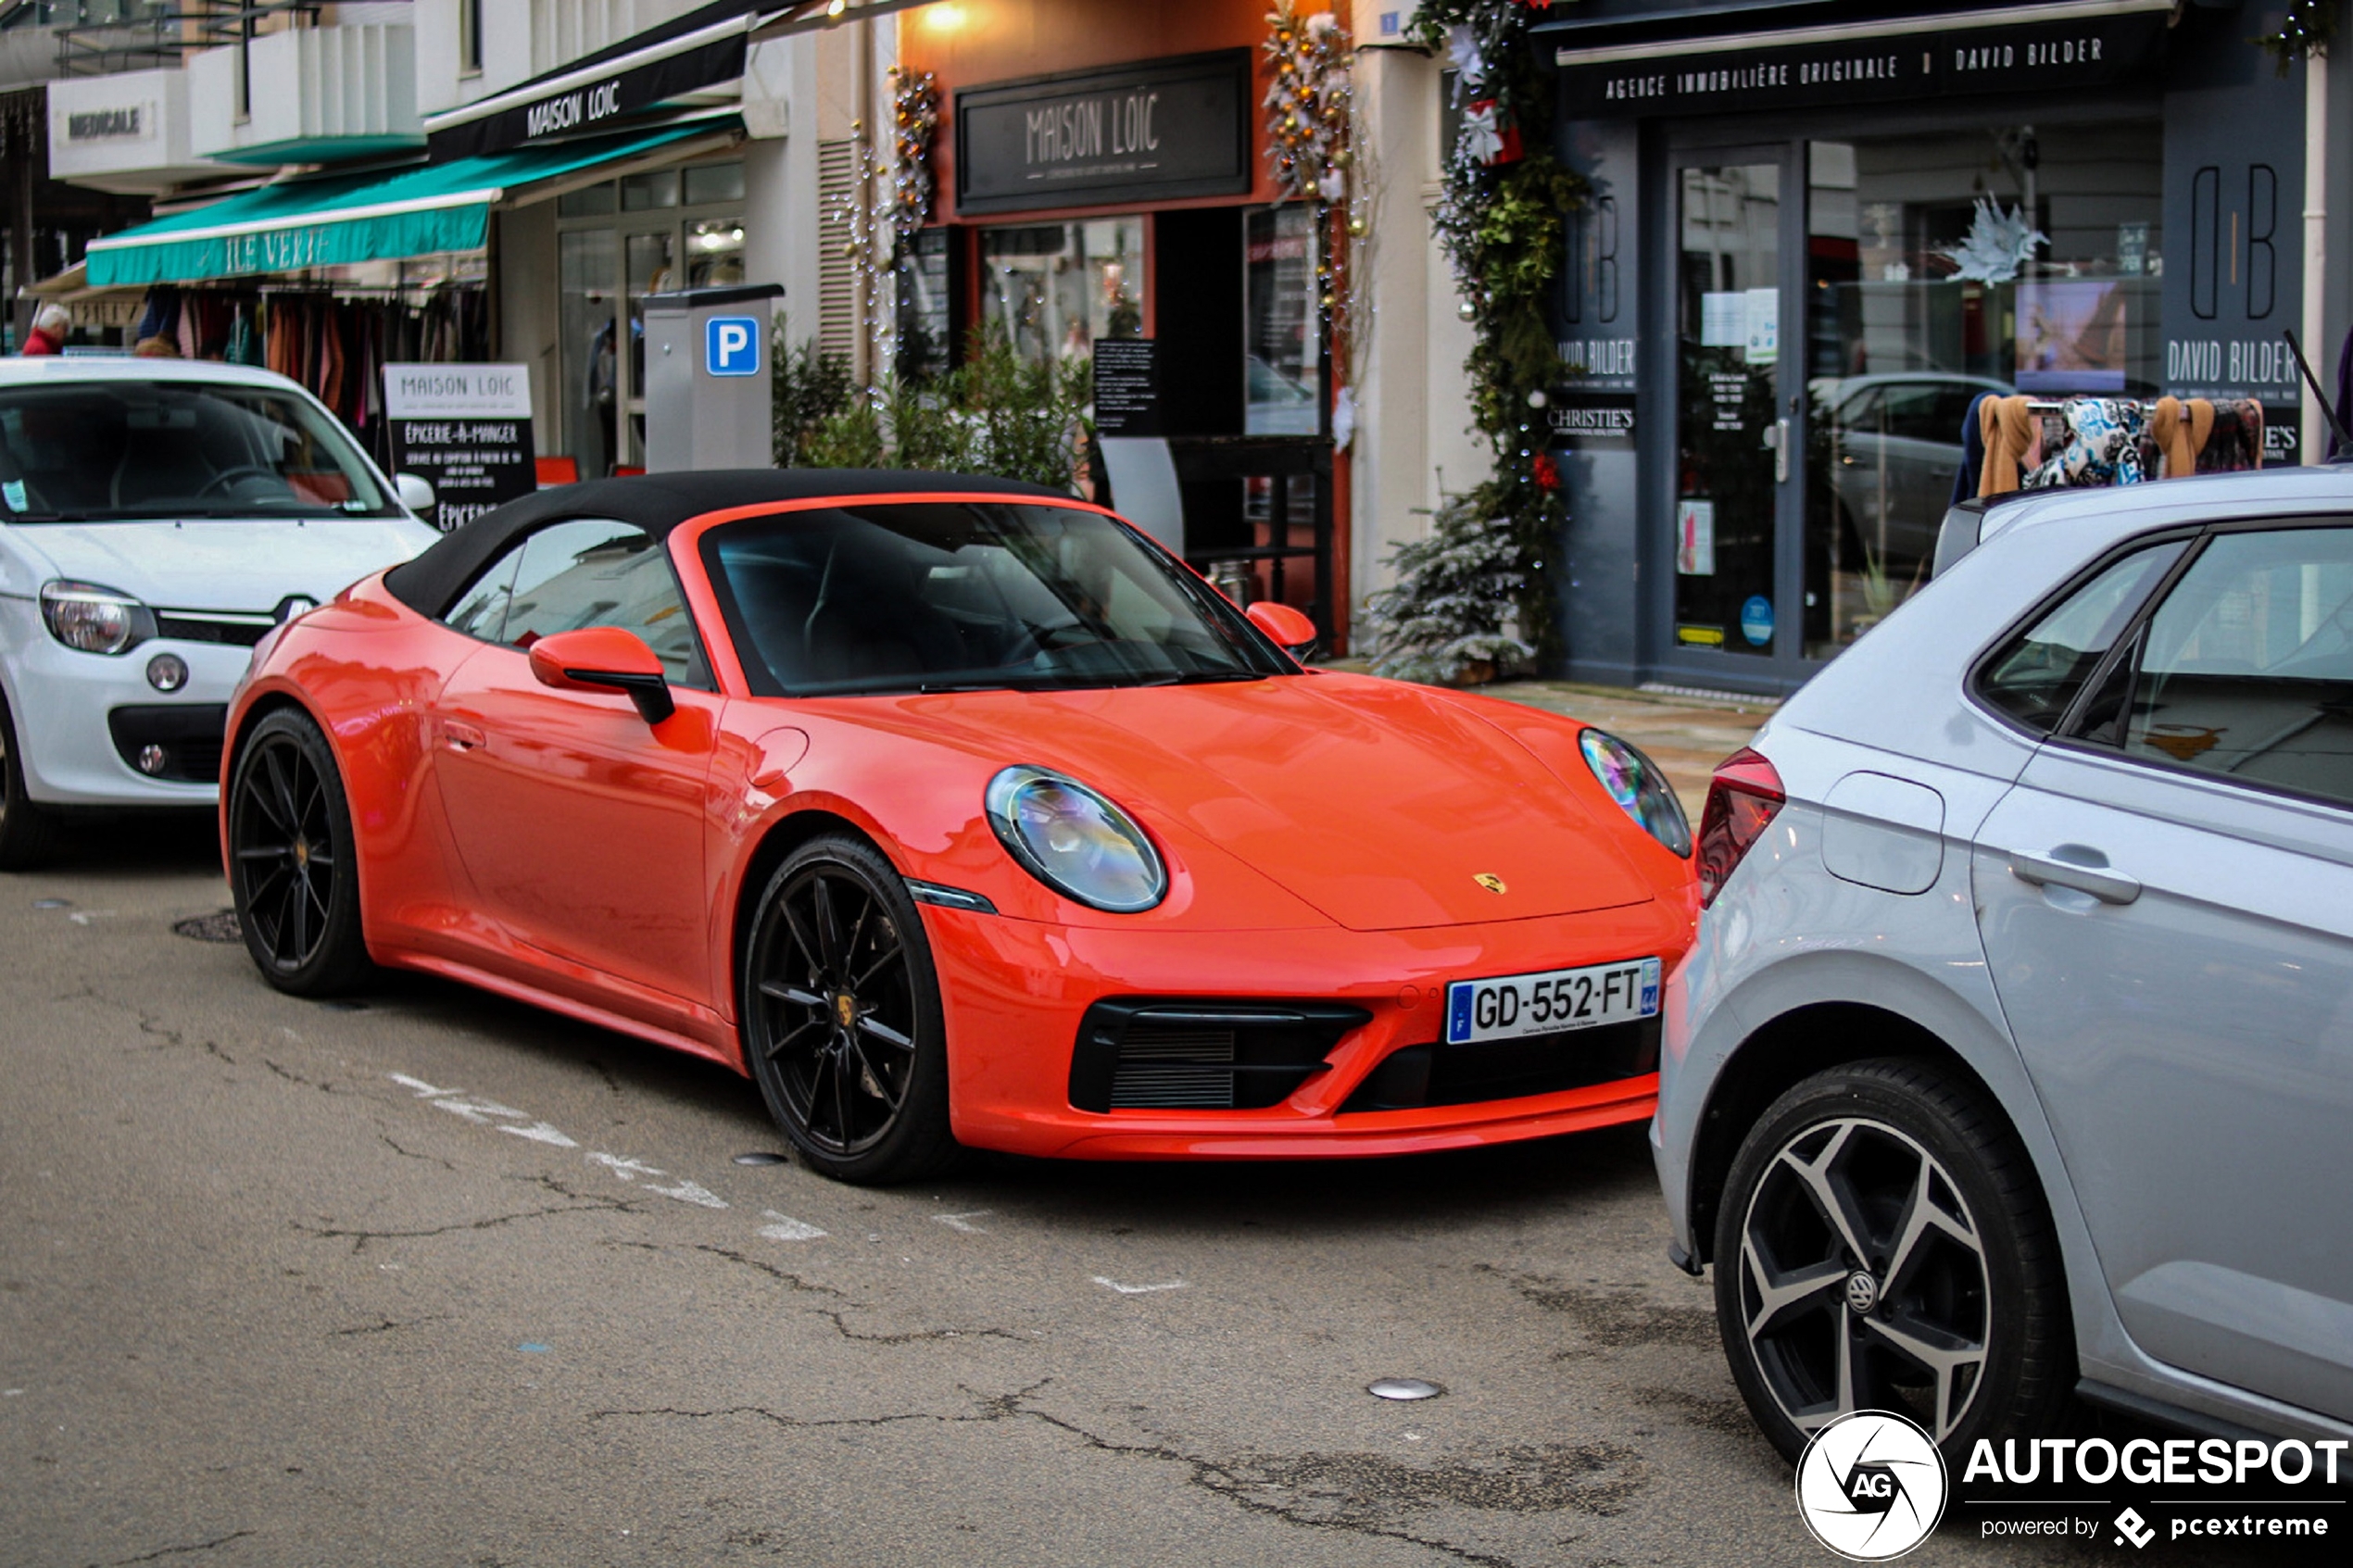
<point>94,620</point>
<point>1638,786</point>
<point>1074,841</point>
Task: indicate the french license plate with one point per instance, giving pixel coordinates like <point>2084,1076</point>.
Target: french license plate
<point>1557,999</point>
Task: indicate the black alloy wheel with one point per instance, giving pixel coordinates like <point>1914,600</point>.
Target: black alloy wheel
<point>1881,1243</point>
<point>28,834</point>
<point>841,1017</point>
<point>294,868</point>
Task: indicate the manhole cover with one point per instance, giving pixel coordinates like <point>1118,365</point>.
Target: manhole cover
<point>1402,1388</point>
<point>219,926</point>
<point>760,1157</point>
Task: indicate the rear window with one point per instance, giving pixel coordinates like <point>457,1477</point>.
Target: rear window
<point>2037,675</point>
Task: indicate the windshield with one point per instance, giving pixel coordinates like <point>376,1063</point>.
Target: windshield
<point>82,451</point>
<point>961,596</point>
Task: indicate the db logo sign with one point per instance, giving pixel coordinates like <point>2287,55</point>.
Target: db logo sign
<point>1870,1487</point>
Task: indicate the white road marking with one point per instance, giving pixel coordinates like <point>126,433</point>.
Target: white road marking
<point>424,1090</point>
<point>963,1222</point>
<point>83,917</point>
<point>1138,1289</point>
<point>685,1192</point>
<point>478,1111</point>
<point>689,1192</point>
<point>539,1132</point>
<point>787,1228</point>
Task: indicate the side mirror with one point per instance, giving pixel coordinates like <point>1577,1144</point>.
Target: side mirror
<point>1288,628</point>
<point>604,659</point>
<point>414,492</point>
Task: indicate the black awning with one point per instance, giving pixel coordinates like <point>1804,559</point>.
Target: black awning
<point>1790,54</point>
<point>608,89</point>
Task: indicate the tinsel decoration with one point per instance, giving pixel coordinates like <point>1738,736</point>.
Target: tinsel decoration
<point>2310,29</point>
<point>914,123</point>
<point>1307,105</point>
<point>1480,590</point>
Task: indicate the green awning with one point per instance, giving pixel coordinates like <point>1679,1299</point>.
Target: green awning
<point>333,221</point>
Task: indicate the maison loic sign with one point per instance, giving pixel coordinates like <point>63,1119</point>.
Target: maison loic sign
<point>466,430</point>
<point>1157,129</point>
<point>2090,51</point>
<point>603,103</point>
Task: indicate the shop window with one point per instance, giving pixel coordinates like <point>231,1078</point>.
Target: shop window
<point>1055,288</point>
<point>1899,343</point>
<point>1284,358</point>
<point>589,201</point>
<point>648,192</point>
<point>714,182</point>
<point>927,300</point>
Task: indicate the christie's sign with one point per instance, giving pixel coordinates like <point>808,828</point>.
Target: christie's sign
<point>1159,130</point>
<point>2083,52</point>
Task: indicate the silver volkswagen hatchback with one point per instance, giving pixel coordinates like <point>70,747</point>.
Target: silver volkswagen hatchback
<point>2015,1057</point>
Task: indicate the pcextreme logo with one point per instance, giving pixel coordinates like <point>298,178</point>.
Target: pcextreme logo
<point>1870,1487</point>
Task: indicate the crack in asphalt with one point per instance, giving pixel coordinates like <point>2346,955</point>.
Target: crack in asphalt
<point>293,1077</point>
<point>385,1138</point>
<point>388,1326</point>
<point>834,1316</point>
<point>175,1551</point>
<point>1593,1478</point>
<point>359,1238</point>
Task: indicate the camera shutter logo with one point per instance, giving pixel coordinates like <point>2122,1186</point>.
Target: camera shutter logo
<point>1870,1487</point>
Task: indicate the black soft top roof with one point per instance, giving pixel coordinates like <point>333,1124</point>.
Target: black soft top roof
<point>658,503</point>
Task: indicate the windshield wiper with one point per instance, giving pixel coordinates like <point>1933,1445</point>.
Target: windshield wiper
<point>1200,678</point>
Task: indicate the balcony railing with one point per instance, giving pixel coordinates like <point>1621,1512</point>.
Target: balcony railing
<point>100,37</point>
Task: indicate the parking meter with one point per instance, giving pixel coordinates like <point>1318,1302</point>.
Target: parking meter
<point>707,379</point>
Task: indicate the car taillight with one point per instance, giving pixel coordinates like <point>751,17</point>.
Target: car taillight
<point>1742,799</point>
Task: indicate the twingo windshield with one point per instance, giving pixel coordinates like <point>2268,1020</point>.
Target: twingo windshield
<point>905,596</point>
<point>82,451</point>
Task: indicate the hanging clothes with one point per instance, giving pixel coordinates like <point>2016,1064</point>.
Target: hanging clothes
<point>1972,469</point>
<point>2180,430</point>
<point>2237,443</point>
<point>2102,447</point>
<point>2013,441</point>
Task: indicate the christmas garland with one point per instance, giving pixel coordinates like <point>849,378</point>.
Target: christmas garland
<point>2306,33</point>
<point>914,124</point>
<point>1479,590</point>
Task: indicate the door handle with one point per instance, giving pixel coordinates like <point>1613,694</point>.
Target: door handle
<point>461,736</point>
<point>2047,871</point>
<point>1777,439</point>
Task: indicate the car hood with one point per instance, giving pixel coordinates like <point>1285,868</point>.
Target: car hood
<point>224,565</point>
<point>1379,804</point>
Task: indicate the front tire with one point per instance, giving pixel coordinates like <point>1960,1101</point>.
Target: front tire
<point>28,833</point>
<point>294,867</point>
<point>1882,1243</point>
<point>841,1016</point>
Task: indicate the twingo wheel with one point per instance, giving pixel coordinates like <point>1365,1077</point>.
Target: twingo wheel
<point>841,1018</point>
<point>1882,1243</point>
<point>294,870</point>
<point>28,834</point>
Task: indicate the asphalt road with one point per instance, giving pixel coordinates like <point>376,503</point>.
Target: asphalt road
<point>438,1279</point>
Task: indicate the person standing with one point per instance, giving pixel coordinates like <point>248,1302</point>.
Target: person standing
<point>50,325</point>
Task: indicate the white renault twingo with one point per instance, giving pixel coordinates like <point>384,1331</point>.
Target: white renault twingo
<point>156,519</point>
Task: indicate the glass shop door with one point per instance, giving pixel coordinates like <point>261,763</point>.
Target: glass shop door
<point>1735,497</point>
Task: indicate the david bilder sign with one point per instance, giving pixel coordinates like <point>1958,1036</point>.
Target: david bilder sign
<point>1163,129</point>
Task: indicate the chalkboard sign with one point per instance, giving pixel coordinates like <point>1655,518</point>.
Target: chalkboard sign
<point>1127,387</point>
<point>466,431</point>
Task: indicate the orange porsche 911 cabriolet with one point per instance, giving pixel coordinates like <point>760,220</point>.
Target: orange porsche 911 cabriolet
<point>954,812</point>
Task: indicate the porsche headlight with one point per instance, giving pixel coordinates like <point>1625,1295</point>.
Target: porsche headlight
<point>1638,786</point>
<point>1074,841</point>
<point>94,620</point>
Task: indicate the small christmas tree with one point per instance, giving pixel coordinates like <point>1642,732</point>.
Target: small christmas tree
<point>1454,608</point>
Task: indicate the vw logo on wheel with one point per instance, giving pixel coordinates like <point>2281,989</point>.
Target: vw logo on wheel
<point>1870,1485</point>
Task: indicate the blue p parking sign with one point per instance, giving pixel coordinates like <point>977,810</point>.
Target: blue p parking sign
<point>730,346</point>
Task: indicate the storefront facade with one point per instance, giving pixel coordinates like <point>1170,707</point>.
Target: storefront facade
<point>1101,179</point>
<point>1818,234</point>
